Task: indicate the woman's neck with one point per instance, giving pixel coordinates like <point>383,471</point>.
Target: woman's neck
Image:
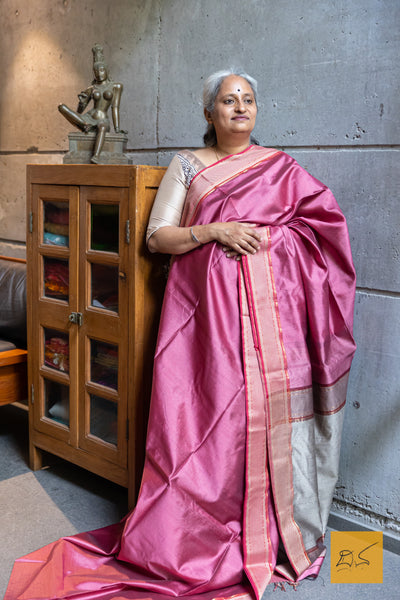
<point>225,148</point>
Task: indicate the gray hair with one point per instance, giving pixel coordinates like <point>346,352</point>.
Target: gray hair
<point>211,88</point>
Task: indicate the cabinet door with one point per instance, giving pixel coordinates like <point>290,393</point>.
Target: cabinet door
<point>54,342</point>
<point>103,301</point>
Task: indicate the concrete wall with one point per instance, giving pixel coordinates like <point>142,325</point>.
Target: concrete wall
<point>328,73</point>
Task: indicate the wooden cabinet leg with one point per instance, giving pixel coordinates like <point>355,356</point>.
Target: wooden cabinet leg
<point>35,457</point>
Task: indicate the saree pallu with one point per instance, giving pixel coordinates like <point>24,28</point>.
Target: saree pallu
<point>250,378</point>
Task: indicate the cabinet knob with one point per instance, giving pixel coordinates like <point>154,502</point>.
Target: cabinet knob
<point>122,275</point>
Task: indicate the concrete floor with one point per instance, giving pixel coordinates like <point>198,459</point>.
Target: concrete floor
<point>62,499</point>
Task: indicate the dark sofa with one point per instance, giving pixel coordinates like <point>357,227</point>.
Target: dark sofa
<point>13,354</point>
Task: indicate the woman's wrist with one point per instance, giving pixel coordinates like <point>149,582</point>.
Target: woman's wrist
<point>194,237</point>
<point>203,234</point>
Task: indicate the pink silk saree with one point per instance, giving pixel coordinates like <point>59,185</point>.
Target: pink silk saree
<point>250,378</point>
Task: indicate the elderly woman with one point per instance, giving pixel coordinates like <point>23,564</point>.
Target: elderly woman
<point>250,377</point>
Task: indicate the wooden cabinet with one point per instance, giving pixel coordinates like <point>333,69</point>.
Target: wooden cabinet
<point>94,298</point>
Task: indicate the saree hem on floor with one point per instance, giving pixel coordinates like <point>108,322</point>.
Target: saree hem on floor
<point>250,378</point>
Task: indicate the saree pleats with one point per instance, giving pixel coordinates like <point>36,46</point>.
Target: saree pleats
<point>250,378</point>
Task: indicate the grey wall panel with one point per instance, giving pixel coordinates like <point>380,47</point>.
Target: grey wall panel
<point>13,249</point>
<point>13,192</point>
<point>46,58</point>
<point>324,70</point>
<point>366,184</point>
<point>370,457</point>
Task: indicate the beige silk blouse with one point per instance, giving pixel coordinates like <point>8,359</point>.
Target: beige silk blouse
<point>170,199</point>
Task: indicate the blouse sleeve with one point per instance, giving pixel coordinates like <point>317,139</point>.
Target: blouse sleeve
<point>170,199</point>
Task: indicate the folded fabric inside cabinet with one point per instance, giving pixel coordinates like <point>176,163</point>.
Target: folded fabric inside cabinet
<point>57,353</point>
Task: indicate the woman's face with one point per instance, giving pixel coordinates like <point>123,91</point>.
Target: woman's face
<point>100,72</point>
<point>235,108</point>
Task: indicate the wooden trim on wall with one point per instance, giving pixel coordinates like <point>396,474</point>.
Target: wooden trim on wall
<point>13,259</point>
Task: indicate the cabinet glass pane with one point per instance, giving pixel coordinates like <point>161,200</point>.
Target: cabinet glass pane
<point>104,419</point>
<point>56,278</point>
<point>56,397</point>
<point>104,227</point>
<point>56,220</point>
<point>105,287</point>
<point>56,350</point>
<point>104,364</point>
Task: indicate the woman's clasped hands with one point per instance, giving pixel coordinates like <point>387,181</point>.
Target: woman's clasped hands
<point>238,239</point>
